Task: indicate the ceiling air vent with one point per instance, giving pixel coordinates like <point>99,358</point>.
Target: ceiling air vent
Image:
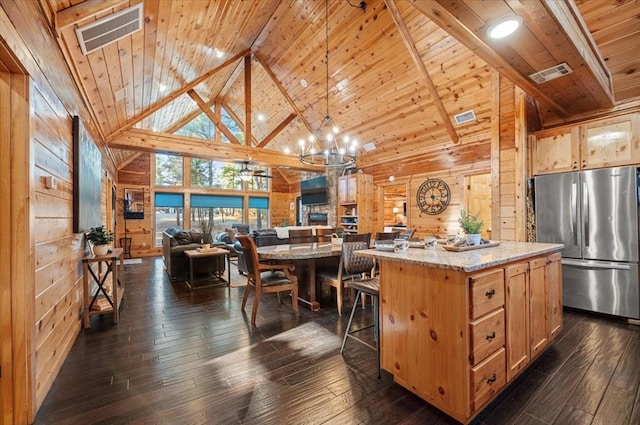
<point>551,73</point>
<point>465,117</point>
<point>110,28</point>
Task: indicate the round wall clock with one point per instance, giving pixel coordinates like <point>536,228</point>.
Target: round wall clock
<point>433,196</point>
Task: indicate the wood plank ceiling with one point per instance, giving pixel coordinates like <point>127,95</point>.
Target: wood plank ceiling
<point>196,55</point>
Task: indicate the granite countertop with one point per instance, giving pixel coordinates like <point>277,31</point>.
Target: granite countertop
<point>467,261</point>
<point>299,251</point>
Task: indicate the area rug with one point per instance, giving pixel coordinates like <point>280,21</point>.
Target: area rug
<point>133,261</point>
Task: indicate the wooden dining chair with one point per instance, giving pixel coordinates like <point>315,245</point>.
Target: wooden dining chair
<point>301,236</point>
<point>280,278</point>
<point>336,278</point>
<point>360,237</point>
<point>357,268</point>
<point>385,236</point>
<point>324,235</point>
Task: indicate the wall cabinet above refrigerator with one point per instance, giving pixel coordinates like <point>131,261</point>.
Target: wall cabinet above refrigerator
<point>596,144</point>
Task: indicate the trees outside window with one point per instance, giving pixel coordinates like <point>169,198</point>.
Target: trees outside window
<point>169,170</point>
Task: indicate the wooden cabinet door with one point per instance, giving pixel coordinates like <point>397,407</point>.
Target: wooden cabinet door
<point>555,150</point>
<point>610,142</point>
<point>352,191</point>
<point>517,314</point>
<point>538,310</point>
<point>343,189</point>
<point>554,288</point>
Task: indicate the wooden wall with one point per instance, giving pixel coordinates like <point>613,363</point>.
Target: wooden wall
<point>45,268</point>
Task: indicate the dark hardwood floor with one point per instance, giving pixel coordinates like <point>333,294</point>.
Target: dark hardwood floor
<point>191,357</point>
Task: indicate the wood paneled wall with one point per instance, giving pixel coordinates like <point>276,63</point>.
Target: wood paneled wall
<point>58,251</point>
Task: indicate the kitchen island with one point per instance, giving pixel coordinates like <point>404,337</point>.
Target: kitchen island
<point>457,327</point>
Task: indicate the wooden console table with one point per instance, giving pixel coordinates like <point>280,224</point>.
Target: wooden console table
<point>110,303</point>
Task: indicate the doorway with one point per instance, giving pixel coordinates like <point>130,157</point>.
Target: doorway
<point>394,198</point>
<point>477,199</point>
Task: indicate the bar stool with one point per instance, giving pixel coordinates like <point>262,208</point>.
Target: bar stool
<point>356,265</point>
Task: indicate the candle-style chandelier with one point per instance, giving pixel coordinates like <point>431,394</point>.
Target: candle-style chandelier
<point>325,147</point>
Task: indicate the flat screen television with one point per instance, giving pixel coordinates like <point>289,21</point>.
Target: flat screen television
<point>314,191</point>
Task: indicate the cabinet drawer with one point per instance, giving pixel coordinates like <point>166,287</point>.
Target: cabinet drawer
<point>487,379</point>
<point>487,336</point>
<point>487,292</point>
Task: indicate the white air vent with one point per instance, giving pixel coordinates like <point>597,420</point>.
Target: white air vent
<point>369,147</point>
<point>551,73</point>
<point>465,117</point>
<point>110,28</point>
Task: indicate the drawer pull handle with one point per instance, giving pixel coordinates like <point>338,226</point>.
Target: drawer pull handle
<point>493,379</point>
<point>490,293</point>
<point>490,336</point>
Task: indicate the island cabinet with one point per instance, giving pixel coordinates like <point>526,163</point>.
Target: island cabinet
<point>457,336</point>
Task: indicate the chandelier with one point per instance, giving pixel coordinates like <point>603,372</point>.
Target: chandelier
<point>325,147</point>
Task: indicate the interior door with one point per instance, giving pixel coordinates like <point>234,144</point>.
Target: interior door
<point>477,199</point>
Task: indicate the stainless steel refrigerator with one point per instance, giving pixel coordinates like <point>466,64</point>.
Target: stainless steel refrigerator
<point>595,214</point>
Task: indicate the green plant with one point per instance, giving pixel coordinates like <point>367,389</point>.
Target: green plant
<point>471,224</point>
<point>100,236</point>
<point>284,222</point>
<point>207,227</point>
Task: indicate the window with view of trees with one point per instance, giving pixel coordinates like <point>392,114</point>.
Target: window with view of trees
<point>258,212</point>
<point>232,125</point>
<point>218,212</point>
<point>214,174</point>
<point>169,170</point>
<point>201,127</point>
<point>168,213</point>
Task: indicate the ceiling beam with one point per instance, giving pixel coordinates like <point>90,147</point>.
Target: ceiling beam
<point>149,141</point>
<point>129,124</point>
<point>212,116</point>
<point>276,131</point>
<point>247,100</point>
<point>448,22</point>
<point>417,60</point>
<point>81,11</point>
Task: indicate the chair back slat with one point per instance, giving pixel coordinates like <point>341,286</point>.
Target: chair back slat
<point>385,236</point>
<point>250,253</point>
<point>324,235</point>
<point>355,264</point>
<point>301,236</point>
<point>361,237</point>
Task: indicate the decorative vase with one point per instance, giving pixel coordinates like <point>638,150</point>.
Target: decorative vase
<point>100,250</point>
<point>336,241</point>
<point>473,239</point>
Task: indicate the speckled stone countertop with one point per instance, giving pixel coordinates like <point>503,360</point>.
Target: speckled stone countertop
<point>467,261</point>
<point>301,251</point>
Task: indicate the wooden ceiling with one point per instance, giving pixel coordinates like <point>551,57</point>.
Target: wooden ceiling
<point>398,72</point>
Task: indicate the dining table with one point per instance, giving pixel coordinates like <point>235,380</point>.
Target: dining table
<point>306,257</point>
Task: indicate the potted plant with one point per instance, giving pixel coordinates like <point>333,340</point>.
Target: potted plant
<point>100,239</point>
<point>471,225</point>
<point>206,227</point>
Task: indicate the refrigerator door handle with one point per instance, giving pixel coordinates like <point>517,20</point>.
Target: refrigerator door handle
<point>595,264</point>
<point>585,213</point>
<point>573,212</point>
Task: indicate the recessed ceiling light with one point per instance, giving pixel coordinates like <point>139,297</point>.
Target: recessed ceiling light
<point>162,88</point>
<point>504,27</point>
<point>287,151</point>
<point>303,83</point>
<point>219,54</point>
<point>260,117</point>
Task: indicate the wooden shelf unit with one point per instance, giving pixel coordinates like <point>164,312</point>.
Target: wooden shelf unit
<point>94,285</point>
<point>355,203</point>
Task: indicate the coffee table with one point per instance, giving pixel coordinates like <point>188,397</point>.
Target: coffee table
<point>203,254</point>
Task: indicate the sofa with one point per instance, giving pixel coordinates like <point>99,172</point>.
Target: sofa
<point>175,242</point>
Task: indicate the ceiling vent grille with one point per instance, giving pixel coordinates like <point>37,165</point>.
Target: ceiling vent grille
<point>111,28</point>
<point>465,117</point>
<point>551,73</point>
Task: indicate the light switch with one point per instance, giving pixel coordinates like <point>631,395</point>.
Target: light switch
<point>50,182</point>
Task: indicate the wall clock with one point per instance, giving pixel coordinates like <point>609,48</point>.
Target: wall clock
<point>433,196</point>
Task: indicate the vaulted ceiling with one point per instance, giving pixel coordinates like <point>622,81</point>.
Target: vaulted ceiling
<point>398,71</point>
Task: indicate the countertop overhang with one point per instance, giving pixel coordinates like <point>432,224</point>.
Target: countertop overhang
<point>467,261</point>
